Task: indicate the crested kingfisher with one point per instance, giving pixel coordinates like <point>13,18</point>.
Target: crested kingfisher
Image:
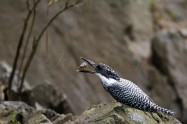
<point>122,90</point>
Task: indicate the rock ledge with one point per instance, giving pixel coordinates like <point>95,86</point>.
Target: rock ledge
<point>98,114</point>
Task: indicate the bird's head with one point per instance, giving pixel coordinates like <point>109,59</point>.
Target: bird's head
<point>101,69</point>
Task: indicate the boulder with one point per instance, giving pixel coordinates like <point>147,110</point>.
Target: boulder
<point>5,71</point>
<point>19,112</point>
<point>46,95</point>
<point>108,113</point>
<point>170,57</point>
<point>34,96</point>
<point>98,114</point>
<point>100,27</point>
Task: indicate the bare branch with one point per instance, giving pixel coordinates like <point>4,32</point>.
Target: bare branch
<point>52,19</point>
<point>28,5</point>
<point>27,40</point>
<point>37,40</point>
<point>20,45</point>
<point>18,50</point>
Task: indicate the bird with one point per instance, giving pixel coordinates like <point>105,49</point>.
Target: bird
<point>122,90</point>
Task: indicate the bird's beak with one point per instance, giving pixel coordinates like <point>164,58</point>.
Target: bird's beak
<point>84,66</point>
<point>89,62</point>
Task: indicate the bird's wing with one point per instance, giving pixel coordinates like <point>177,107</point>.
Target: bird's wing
<point>130,94</point>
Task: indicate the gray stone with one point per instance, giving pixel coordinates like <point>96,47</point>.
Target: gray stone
<point>99,26</point>
<point>5,71</point>
<point>98,30</point>
<point>49,96</point>
<point>19,112</point>
<point>169,56</point>
<point>107,114</point>
<point>103,113</point>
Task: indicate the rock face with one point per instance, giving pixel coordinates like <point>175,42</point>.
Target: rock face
<point>56,100</point>
<point>103,40</point>
<point>19,112</point>
<point>169,56</point>
<point>36,95</point>
<point>114,32</point>
<point>109,114</point>
<point>99,114</point>
<point>5,71</point>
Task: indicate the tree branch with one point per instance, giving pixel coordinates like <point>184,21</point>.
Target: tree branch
<point>18,51</point>
<point>37,40</point>
<point>28,37</point>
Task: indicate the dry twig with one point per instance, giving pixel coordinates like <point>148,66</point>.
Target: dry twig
<point>33,10</point>
<point>18,50</point>
<point>38,39</point>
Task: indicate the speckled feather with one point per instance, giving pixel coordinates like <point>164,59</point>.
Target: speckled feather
<point>126,92</point>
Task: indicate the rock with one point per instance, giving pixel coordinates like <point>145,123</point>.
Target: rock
<point>35,96</point>
<point>104,42</point>
<point>56,100</point>
<point>183,32</point>
<point>101,28</point>
<point>157,82</point>
<point>20,112</point>
<point>141,50</point>
<point>98,114</point>
<point>63,118</point>
<point>169,56</point>
<point>137,19</point>
<point>2,94</point>
<point>5,71</point>
<point>14,105</point>
<point>106,113</point>
<point>14,111</point>
<point>172,10</point>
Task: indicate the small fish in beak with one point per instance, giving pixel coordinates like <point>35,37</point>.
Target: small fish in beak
<point>84,67</point>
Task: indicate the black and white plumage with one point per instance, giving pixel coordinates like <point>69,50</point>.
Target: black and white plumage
<point>124,91</point>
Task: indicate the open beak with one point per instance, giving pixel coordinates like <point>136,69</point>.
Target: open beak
<point>84,67</point>
<point>89,62</point>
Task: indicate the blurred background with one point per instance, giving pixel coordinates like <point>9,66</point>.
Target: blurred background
<point>144,41</point>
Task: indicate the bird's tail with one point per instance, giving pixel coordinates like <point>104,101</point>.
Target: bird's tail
<point>163,110</point>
